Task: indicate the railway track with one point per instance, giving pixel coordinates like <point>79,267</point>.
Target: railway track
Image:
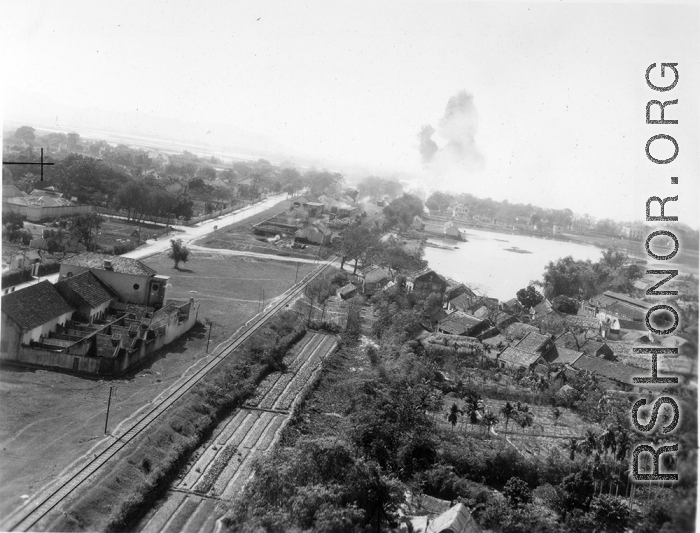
<point>26,518</point>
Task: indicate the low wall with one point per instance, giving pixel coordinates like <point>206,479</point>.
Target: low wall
<point>37,214</point>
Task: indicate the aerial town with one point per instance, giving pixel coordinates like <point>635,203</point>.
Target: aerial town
<point>269,348</point>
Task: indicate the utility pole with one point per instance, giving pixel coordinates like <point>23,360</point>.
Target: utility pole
<point>263,300</point>
<point>109,402</point>
<point>209,337</point>
<point>296,274</point>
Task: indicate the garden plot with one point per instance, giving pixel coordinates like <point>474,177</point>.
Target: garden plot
<point>544,435</point>
<point>234,431</point>
<point>303,374</point>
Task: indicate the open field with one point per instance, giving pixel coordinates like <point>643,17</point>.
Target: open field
<point>240,236</point>
<point>219,469</point>
<point>49,419</point>
<point>114,231</point>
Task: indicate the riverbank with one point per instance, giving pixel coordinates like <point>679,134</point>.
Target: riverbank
<point>687,260</point>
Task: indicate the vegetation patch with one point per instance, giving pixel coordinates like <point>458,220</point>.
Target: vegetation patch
<point>121,495</point>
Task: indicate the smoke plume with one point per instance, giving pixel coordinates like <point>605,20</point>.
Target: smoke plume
<point>457,128</point>
<point>428,147</point>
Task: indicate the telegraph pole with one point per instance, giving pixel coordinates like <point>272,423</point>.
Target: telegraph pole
<point>109,402</point>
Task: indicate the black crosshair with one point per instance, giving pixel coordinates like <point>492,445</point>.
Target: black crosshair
<point>23,163</point>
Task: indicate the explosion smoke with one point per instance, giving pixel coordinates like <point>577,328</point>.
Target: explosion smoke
<point>457,128</point>
<point>428,147</point>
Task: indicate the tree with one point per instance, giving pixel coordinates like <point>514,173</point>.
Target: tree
<point>565,304</point>
<point>611,512</point>
<point>529,297</point>
<point>575,492</point>
<point>439,201</point>
<point>357,242</point>
<point>85,227</point>
<point>178,252</point>
<point>395,257</point>
<point>590,443</point>
<point>508,412</point>
<point>488,421</point>
<point>323,182</point>
<point>517,492</point>
<point>402,210</point>
<point>569,277</point>
<point>25,133</point>
<point>573,447</point>
<point>452,416</point>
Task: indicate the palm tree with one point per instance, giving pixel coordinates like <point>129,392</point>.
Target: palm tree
<point>453,415</point>
<point>508,412</point>
<point>590,443</point>
<point>556,413</point>
<point>573,447</point>
<point>623,445</point>
<point>525,419</point>
<point>608,441</point>
<point>489,420</point>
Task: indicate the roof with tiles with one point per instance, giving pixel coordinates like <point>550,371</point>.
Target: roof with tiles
<point>563,356</point>
<point>520,330</point>
<point>517,357</point>
<point>462,302</point>
<point>88,287</point>
<point>627,299</point>
<point>587,346</point>
<point>347,289</point>
<point>35,305</point>
<point>543,307</point>
<point>120,264</point>
<point>532,342</point>
<point>457,323</point>
<point>376,274</point>
<point>603,367</point>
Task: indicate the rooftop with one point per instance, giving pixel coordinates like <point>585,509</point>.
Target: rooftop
<point>88,287</point>
<point>532,342</point>
<point>518,357</point>
<point>346,289</point>
<point>603,367</point>
<point>627,299</point>
<point>120,264</point>
<point>35,305</point>
<point>458,323</point>
<point>563,356</point>
<point>463,301</point>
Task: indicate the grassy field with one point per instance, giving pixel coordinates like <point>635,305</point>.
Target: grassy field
<point>115,231</point>
<point>240,236</point>
<point>50,419</point>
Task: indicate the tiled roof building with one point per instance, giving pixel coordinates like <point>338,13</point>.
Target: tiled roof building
<point>87,287</point>
<point>35,305</point>
<point>120,264</point>
<point>459,323</point>
<point>515,357</point>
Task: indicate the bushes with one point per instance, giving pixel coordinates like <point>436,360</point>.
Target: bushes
<point>15,277</point>
<point>161,452</point>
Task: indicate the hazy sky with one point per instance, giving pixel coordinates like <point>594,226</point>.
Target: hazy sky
<point>549,98</point>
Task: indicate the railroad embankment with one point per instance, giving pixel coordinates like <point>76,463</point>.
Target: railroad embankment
<point>119,495</point>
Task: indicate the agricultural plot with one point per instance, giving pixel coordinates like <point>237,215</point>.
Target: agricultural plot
<point>537,441</point>
<point>225,463</point>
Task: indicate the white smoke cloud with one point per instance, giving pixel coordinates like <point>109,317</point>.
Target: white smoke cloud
<point>457,132</point>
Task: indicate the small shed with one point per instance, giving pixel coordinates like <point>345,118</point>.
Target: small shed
<point>347,291</point>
